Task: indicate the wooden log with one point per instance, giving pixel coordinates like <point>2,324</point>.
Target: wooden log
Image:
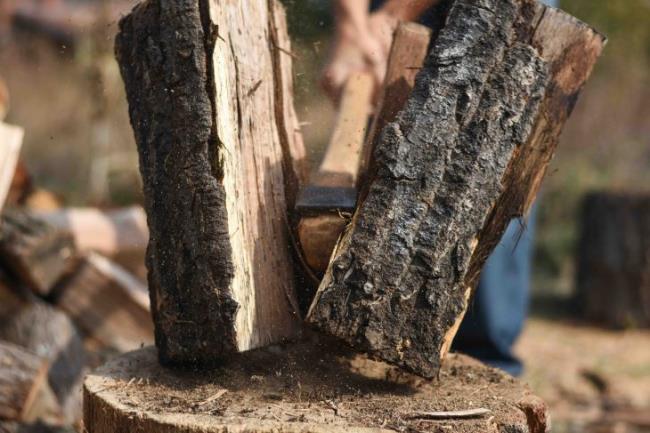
<point>219,168</point>
<point>33,251</point>
<point>49,333</point>
<point>318,235</point>
<point>613,279</point>
<point>464,157</point>
<point>108,304</point>
<point>24,392</point>
<point>312,387</point>
<point>11,140</point>
<point>110,233</point>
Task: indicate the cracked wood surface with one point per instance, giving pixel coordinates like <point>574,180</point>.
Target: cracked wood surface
<point>465,156</point>
<point>210,102</point>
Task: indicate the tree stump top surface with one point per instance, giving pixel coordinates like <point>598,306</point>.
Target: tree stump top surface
<point>305,387</point>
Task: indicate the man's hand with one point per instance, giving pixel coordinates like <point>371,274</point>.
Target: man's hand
<point>362,42</point>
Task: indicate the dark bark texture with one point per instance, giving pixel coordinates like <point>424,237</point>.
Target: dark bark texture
<point>614,259</point>
<point>465,156</point>
<point>161,48</point>
<point>210,100</point>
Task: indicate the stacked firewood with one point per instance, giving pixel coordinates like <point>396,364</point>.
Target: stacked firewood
<point>65,302</point>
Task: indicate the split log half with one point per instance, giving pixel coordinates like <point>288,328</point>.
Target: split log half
<point>108,304</point>
<point>311,387</point>
<point>33,251</point>
<point>221,158</point>
<point>613,285</point>
<point>465,156</point>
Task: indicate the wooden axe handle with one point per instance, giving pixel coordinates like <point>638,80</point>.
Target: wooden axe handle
<point>340,165</point>
<point>318,235</point>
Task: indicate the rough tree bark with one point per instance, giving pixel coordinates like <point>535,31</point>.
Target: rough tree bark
<point>208,85</point>
<point>465,156</point>
<point>614,259</point>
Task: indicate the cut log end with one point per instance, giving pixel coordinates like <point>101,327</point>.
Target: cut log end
<point>308,387</point>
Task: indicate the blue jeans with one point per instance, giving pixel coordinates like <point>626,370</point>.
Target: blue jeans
<point>498,310</point>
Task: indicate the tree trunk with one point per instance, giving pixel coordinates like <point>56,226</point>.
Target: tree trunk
<point>24,392</point>
<point>47,332</point>
<point>108,304</point>
<point>311,387</point>
<point>33,251</point>
<point>614,259</point>
<point>209,91</point>
<point>464,157</point>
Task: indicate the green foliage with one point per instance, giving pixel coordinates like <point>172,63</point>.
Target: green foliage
<point>625,22</point>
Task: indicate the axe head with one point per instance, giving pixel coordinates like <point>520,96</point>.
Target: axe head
<point>315,199</point>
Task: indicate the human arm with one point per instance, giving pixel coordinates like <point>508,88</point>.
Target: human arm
<point>362,40</point>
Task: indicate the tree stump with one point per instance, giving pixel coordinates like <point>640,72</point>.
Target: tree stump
<point>613,283</point>
<point>309,387</point>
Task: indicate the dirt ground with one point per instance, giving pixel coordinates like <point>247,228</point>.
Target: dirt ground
<point>593,380</point>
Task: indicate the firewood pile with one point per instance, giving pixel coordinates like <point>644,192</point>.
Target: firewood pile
<point>65,302</point>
